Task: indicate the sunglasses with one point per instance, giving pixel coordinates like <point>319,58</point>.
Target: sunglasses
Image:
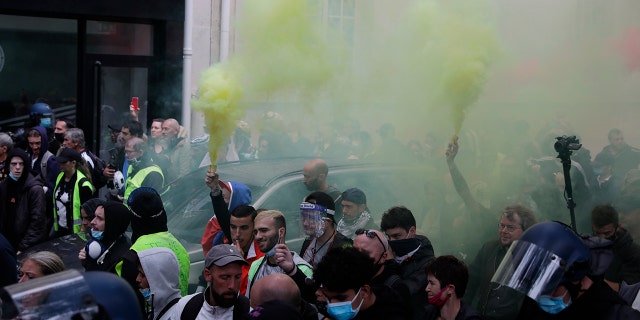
<point>371,234</point>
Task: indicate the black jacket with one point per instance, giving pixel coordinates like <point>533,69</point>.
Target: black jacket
<point>481,271</point>
<point>414,277</point>
<point>465,313</point>
<point>625,265</point>
<point>23,217</point>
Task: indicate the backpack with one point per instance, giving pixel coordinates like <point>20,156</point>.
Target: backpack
<point>97,178</point>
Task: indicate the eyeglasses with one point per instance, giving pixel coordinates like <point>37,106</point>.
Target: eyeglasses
<point>371,234</point>
<point>508,227</point>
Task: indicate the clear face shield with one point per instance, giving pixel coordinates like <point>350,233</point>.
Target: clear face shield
<point>312,219</point>
<point>530,269</point>
<point>63,295</point>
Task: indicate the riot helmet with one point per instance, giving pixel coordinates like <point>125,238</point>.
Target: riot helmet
<point>547,255</point>
<point>41,115</point>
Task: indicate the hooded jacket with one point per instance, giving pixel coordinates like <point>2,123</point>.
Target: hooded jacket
<point>221,220</point>
<point>45,165</point>
<point>115,242</point>
<point>161,269</point>
<point>23,218</point>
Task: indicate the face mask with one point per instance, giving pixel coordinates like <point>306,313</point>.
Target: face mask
<point>343,310</point>
<point>45,122</point>
<point>552,305</point>
<point>439,299</point>
<point>404,246</point>
<point>13,177</point>
<point>59,137</point>
<point>96,234</point>
<point>146,293</point>
<point>272,252</point>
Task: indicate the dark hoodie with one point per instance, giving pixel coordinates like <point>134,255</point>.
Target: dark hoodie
<point>23,218</point>
<point>115,242</point>
<point>50,169</point>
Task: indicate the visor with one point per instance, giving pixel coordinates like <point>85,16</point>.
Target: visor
<point>312,207</point>
<point>530,269</point>
<point>62,295</point>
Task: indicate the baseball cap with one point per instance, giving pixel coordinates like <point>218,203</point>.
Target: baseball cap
<point>115,126</point>
<point>223,254</point>
<point>68,154</point>
<point>354,195</point>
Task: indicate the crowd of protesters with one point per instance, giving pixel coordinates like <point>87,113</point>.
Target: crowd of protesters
<point>350,266</point>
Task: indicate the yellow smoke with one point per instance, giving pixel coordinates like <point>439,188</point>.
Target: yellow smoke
<point>282,49</point>
<point>218,98</point>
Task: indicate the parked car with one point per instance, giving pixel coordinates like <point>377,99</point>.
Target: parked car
<point>277,184</point>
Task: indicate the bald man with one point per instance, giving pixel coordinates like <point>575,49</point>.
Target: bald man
<point>282,288</point>
<point>178,149</point>
<point>314,177</point>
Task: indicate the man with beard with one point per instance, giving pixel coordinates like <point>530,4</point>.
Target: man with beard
<point>318,222</point>
<point>314,177</point>
<point>221,300</point>
<point>625,265</point>
<point>270,230</point>
<point>413,252</point>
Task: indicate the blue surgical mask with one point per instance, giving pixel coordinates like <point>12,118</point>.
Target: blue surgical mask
<point>14,178</point>
<point>552,305</point>
<point>146,293</point>
<point>343,310</point>
<point>45,122</point>
<point>96,234</point>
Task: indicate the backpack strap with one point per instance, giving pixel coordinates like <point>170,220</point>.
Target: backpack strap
<point>192,308</point>
<point>167,307</point>
<point>241,308</point>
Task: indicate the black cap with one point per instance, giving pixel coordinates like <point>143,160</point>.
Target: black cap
<point>354,195</point>
<point>68,154</point>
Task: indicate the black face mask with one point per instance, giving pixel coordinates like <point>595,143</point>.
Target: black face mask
<point>404,246</point>
<point>59,137</point>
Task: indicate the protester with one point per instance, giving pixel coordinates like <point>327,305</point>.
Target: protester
<point>9,274</point>
<point>73,188</point>
<point>270,230</point>
<point>411,251</point>
<point>39,264</point>
<point>142,172</point>
<point>225,198</point>
<point>355,213</point>
<point>6,144</point>
<point>221,300</point>
<point>23,219</point>
<point>88,212</point>
<point>317,215</point>
<point>447,283</point>
<point>514,220</point>
<point>149,230</point>
<point>108,242</point>
<point>344,280</point>
<point>74,139</point>
<point>177,148</point>
<point>279,287</point>
<point>158,281</point>
<point>626,253</point>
